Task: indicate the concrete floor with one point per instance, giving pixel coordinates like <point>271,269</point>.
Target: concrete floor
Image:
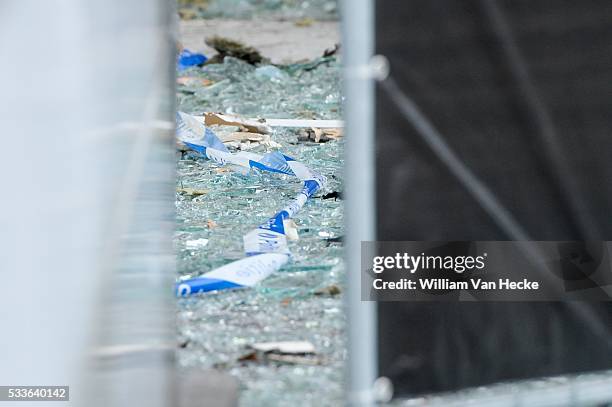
<point>281,41</point>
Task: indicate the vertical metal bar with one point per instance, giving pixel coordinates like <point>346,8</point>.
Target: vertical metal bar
<point>358,46</point>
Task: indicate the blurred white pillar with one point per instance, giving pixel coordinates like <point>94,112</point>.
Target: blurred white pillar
<point>86,174</point>
<point>357,50</point>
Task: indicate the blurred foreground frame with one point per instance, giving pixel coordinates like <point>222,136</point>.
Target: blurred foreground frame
<point>88,175</point>
<point>518,91</point>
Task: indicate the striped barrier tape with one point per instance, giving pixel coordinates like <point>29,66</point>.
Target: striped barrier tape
<point>266,246</point>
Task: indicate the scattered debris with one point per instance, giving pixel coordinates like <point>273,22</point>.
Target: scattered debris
<point>294,360</point>
<point>310,65</point>
<point>297,123</point>
<point>187,14</point>
<point>330,134</point>
<point>332,240</point>
<point>330,290</point>
<point>244,140</point>
<point>192,244</point>
<point>296,352</point>
<point>290,229</point>
<point>270,123</point>
<point>223,170</point>
<point>228,47</point>
<point>180,146</point>
<point>250,125</point>
<point>193,81</point>
<point>192,191</point>
<point>311,91</point>
<point>334,194</point>
<point>287,359</point>
<point>243,136</point>
<point>331,51</point>
<point>188,59</point>
<point>272,73</point>
<point>249,357</point>
<point>316,135</point>
<point>304,22</point>
<point>287,347</point>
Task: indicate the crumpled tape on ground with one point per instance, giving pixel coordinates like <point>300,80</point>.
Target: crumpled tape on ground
<point>265,246</point>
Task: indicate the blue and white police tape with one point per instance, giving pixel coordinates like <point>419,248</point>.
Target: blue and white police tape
<point>265,246</point>
<point>271,236</point>
<point>241,273</point>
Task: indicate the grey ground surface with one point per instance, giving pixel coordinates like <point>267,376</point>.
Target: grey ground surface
<point>294,303</point>
<point>281,41</point>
